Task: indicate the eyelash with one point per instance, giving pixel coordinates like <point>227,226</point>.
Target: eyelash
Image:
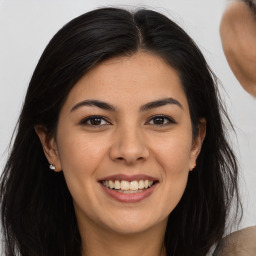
<point>90,118</point>
<point>101,118</point>
<point>163,117</point>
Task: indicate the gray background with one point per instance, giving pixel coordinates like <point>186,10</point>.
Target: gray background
<point>27,26</point>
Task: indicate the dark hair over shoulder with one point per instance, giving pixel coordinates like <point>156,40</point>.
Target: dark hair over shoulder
<point>37,212</point>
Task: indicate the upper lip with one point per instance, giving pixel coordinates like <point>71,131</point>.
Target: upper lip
<point>129,177</point>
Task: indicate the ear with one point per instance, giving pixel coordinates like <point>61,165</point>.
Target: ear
<point>197,143</point>
<point>49,146</point>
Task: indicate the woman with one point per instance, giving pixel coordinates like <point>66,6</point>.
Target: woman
<point>123,109</point>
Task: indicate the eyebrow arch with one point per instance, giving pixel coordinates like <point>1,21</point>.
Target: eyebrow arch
<point>160,103</point>
<point>109,107</point>
<point>96,103</point>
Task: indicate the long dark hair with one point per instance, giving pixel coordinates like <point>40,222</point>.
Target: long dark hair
<point>37,212</point>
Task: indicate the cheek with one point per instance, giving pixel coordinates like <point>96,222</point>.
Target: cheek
<point>79,153</point>
<point>174,154</point>
<point>79,157</point>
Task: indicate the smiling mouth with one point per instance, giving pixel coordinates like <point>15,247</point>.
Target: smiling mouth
<point>124,186</point>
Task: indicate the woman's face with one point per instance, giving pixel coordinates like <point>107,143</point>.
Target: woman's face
<point>124,143</point>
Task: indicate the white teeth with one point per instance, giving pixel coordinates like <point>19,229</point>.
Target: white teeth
<point>130,191</point>
<point>126,186</point>
<point>134,185</point>
<point>111,184</point>
<point>117,184</point>
<point>141,184</point>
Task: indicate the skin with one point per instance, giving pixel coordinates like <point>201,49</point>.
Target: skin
<point>238,35</point>
<point>239,243</point>
<point>127,141</point>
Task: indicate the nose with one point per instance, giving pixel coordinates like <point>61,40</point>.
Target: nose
<point>129,146</point>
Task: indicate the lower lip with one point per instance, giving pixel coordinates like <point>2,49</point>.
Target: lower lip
<point>131,197</point>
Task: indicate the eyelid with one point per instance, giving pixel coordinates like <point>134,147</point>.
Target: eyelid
<point>170,119</point>
<point>84,120</point>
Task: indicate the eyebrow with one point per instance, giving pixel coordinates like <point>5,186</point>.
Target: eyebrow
<point>160,103</point>
<point>109,107</point>
<point>95,103</point>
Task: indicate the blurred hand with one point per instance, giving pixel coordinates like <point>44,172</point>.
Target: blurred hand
<point>238,35</point>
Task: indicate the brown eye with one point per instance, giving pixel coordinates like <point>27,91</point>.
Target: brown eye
<point>160,120</point>
<point>94,121</point>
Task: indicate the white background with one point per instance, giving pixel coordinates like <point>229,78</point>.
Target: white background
<point>27,26</point>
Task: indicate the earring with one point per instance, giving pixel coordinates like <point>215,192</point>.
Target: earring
<point>52,167</point>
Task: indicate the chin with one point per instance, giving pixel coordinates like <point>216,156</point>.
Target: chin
<point>132,223</point>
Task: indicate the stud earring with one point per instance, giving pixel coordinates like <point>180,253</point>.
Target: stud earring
<point>52,167</point>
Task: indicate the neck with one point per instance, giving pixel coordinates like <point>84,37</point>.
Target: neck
<point>97,242</point>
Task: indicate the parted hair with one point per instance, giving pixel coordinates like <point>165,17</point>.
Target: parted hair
<point>37,213</point>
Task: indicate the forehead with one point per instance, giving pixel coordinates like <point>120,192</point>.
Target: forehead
<point>137,79</point>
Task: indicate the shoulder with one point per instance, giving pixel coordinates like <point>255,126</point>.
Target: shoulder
<point>239,243</point>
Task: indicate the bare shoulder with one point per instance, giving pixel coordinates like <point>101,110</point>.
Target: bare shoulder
<point>240,243</point>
